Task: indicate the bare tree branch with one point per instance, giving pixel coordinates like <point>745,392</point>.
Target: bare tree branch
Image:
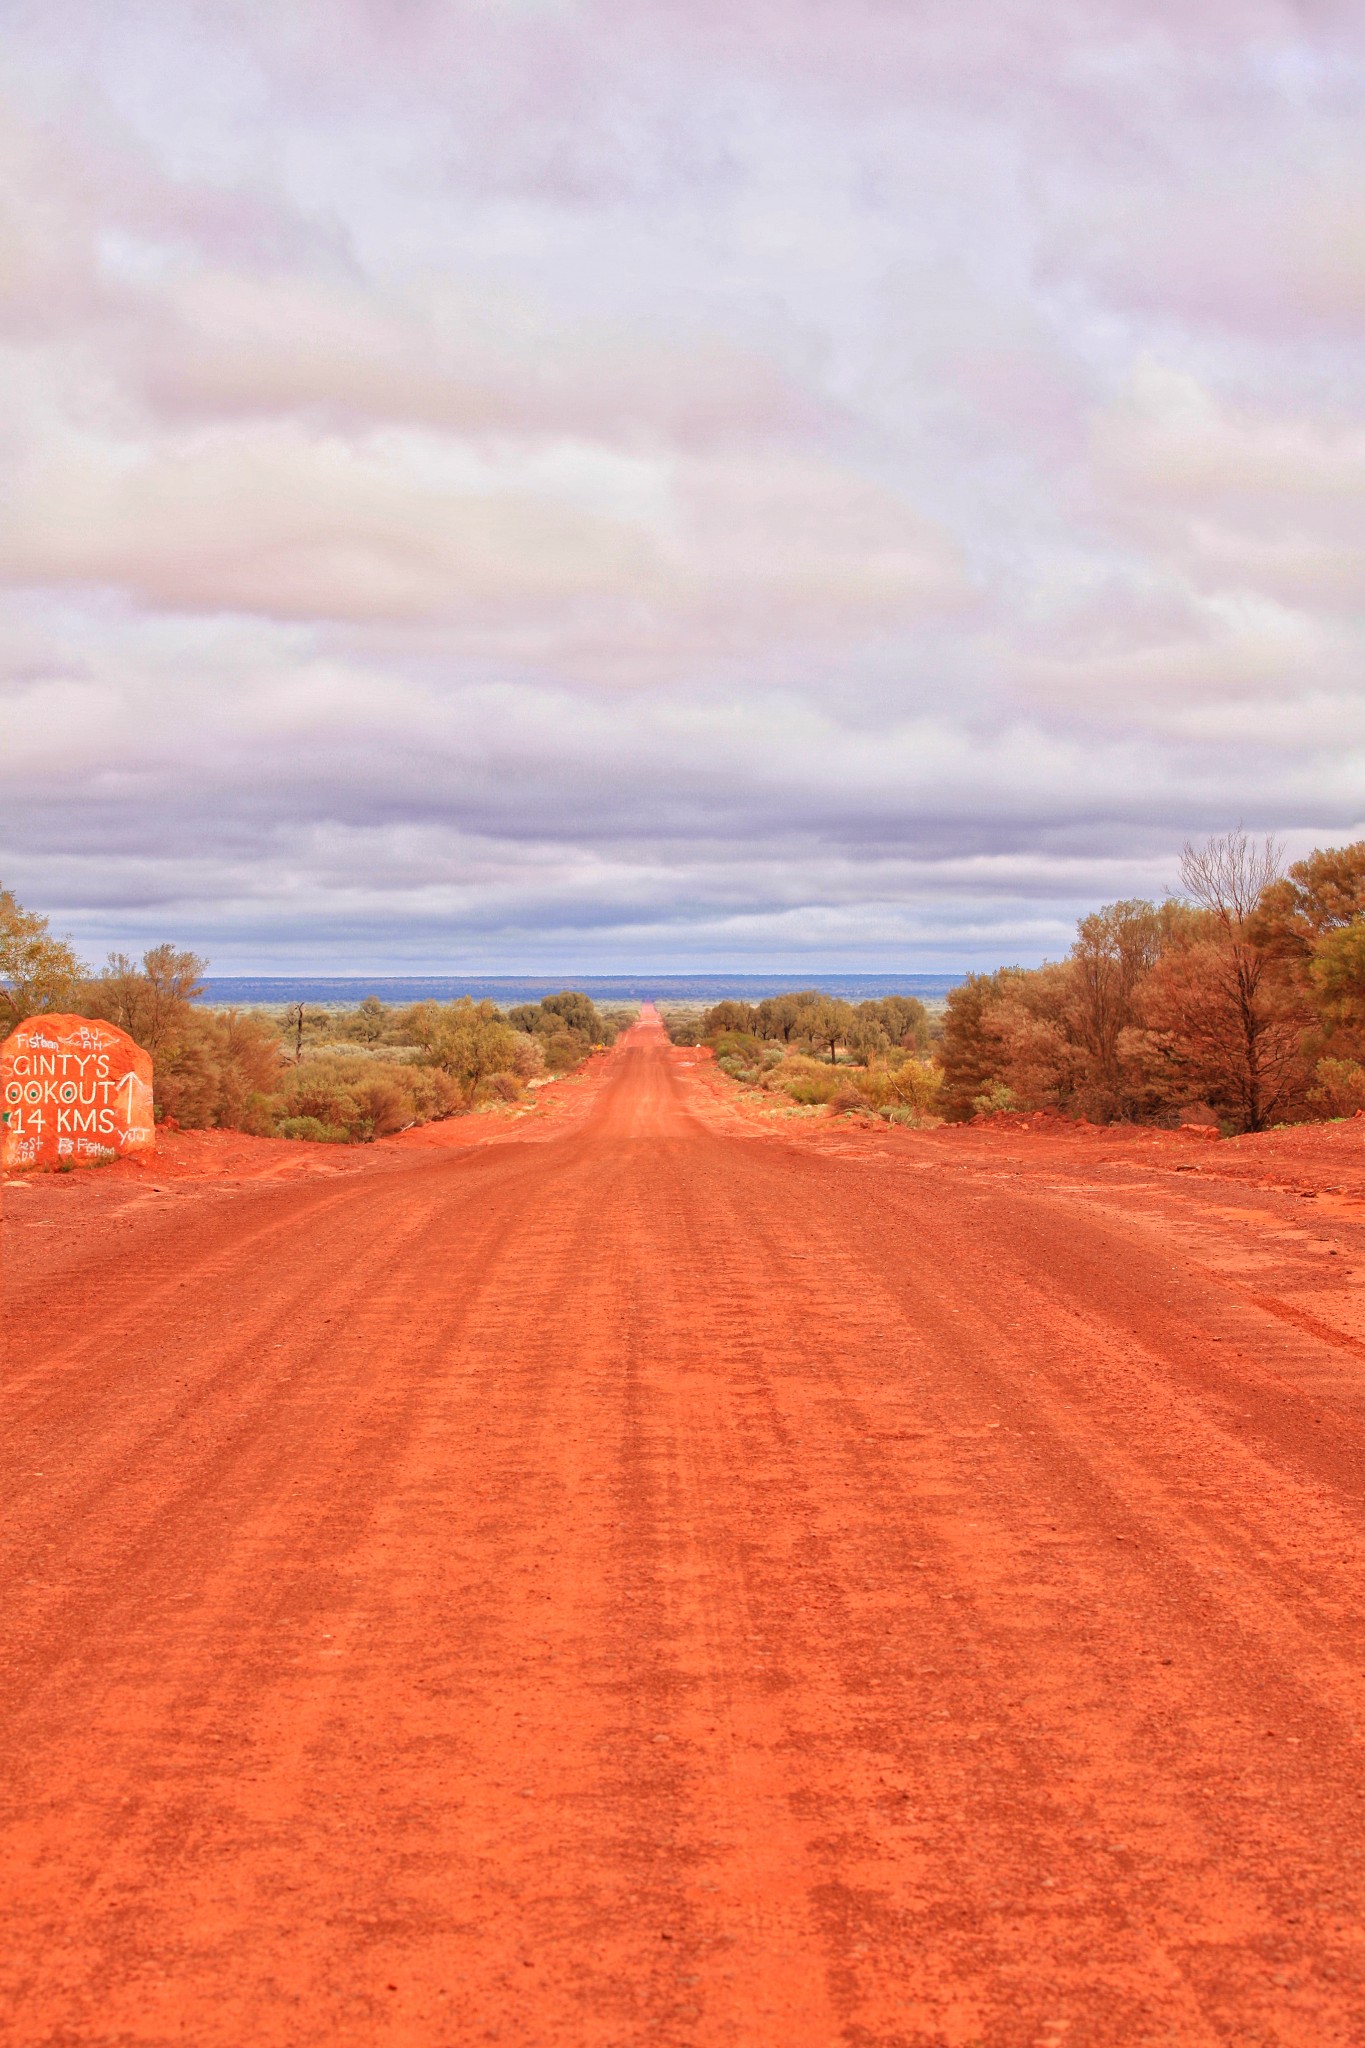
<point>1228,874</point>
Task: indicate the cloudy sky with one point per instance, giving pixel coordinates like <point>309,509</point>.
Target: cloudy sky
<point>540,485</point>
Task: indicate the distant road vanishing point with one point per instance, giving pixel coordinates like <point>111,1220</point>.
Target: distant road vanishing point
<point>661,1577</point>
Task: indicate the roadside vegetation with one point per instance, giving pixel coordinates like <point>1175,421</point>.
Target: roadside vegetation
<point>819,1052</point>
<point>339,1076</point>
<point>1238,1005</point>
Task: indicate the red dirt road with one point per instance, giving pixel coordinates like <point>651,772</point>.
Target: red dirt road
<point>660,1576</point>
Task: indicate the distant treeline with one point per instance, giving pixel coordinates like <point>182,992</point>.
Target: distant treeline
<point>807,1017</point>
<point>1240,1003</point>
<point>346,1076</point>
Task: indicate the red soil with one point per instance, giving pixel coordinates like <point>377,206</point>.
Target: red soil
<point>664,1572</point>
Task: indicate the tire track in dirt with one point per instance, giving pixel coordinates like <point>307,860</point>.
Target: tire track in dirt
<point>96,1458</point>
<point>902,1520</point>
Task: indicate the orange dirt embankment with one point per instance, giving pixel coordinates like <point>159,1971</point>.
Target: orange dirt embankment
<point>672,1573</point>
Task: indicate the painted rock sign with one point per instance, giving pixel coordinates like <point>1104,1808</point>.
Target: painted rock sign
<point>73,1091</point>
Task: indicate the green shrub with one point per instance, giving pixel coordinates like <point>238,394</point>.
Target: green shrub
<point>312,1127</point>
<point>740,1045</point>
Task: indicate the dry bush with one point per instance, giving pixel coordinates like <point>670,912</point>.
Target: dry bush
<point>528,1056</point>
<point>684,1027</point>
<point>1338,1088</point>
<point>371,1023</point>
<point>901,1088</point>
<point>499,1088</point>
<point>227,1069</point>
<point>357,1101</point>
<point>872,1084</point>
<point>915,1090</point>
<point>565,1051</point>
<point>805,1080</point>
<point>219,1072</point>
<point>467,1040</point>
<point>739,1054</point>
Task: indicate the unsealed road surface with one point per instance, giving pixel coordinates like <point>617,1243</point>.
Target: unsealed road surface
<point>652,1580</point>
